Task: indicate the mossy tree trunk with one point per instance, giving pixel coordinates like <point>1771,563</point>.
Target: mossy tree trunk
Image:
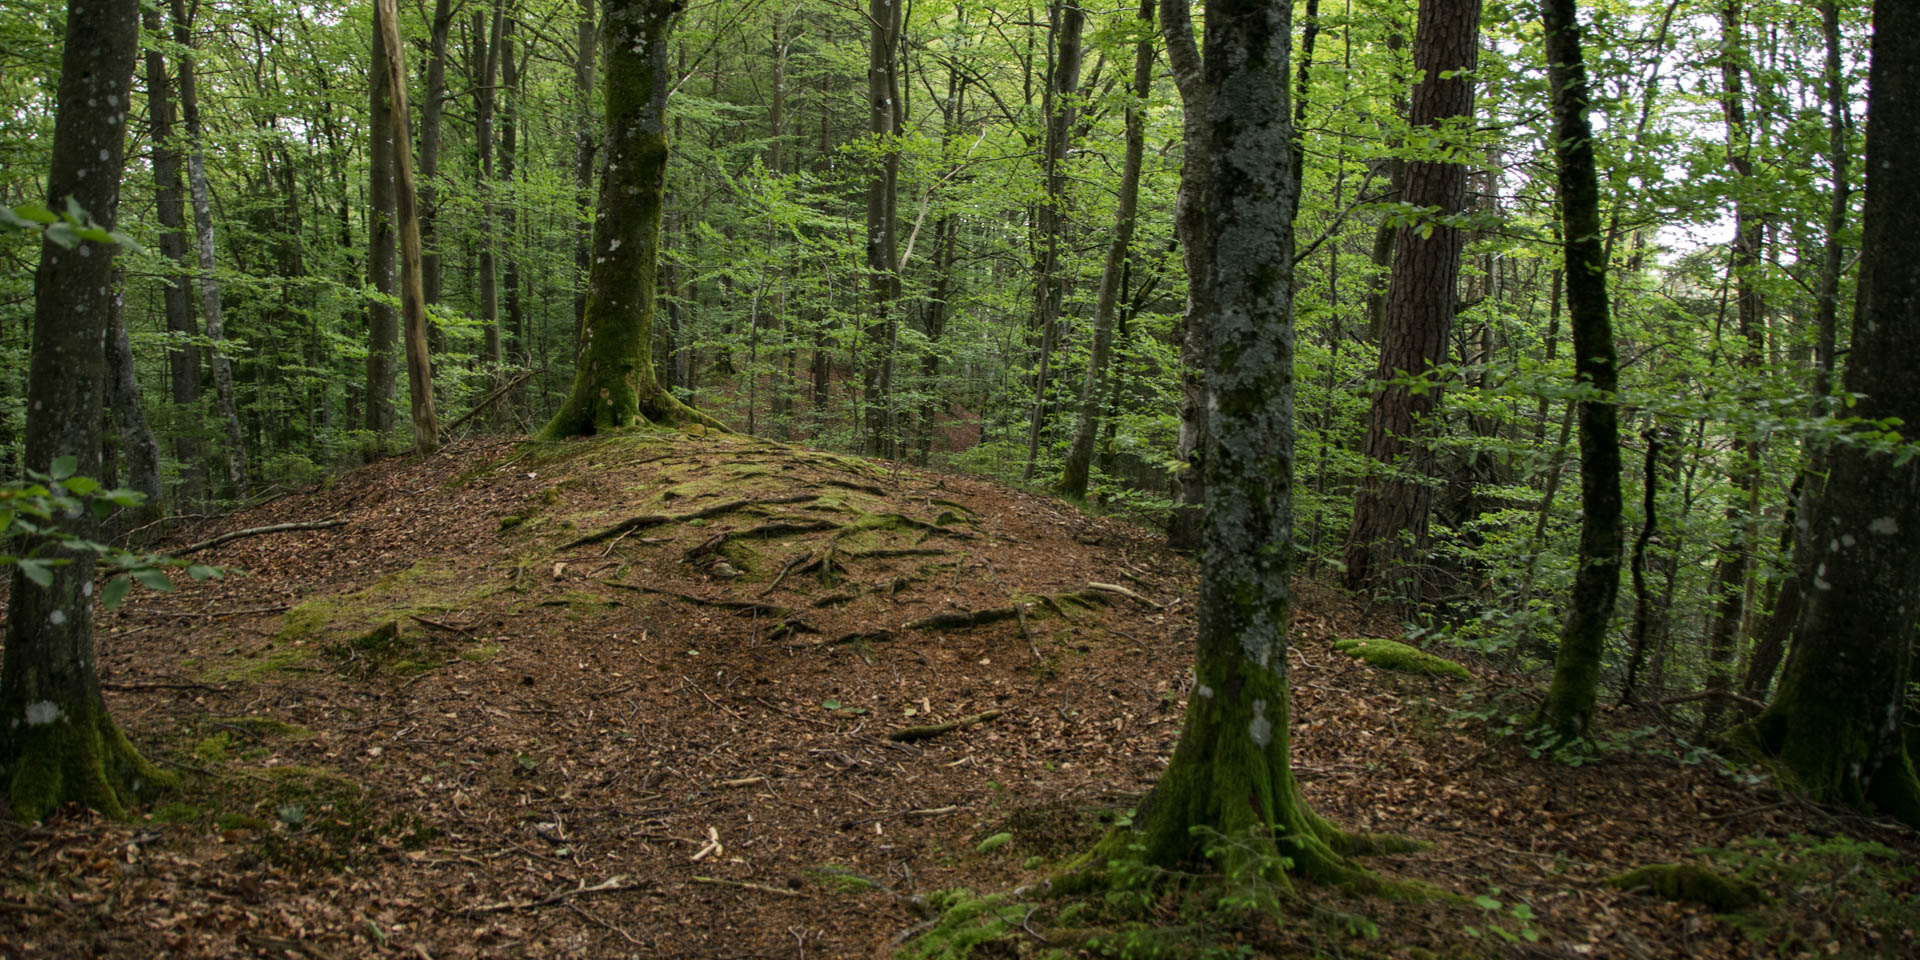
<point>1184,526</point>
<point>1230,775</point>
<point>1576,668</point>
<point>383,325</point>
<point>1834,725</point>
<point>57,743</point>
<point>614,384</point>
<point>413,302</point>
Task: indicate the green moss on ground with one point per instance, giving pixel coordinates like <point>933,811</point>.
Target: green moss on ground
<point>1394,655</point>
<point>1696,884</point>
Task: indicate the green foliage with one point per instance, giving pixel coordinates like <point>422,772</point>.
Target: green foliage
<point>1686,881</point>
<point>34,515</point>
<point>1394,655</point>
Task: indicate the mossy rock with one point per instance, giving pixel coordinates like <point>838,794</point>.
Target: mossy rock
<point>1696,884</point>
<point>1394,655</point>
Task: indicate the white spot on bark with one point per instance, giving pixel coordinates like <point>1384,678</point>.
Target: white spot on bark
<point>44,712</point>
<point>1259,728</point>
<point>86,589</point>
<point>1204,691</point>
<point>1885,526</point>
<point>1846,540</point>
<point>57,617</point>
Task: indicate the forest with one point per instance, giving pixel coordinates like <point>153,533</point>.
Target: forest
<point>945,478</point>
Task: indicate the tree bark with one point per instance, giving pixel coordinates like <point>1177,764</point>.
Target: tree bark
<point>1184,526</point>
<point>882,257</point>
<point>1080,456</point>
<point>431,107</point>
<point>586,145</point>
<point>58,744</point>
<point>203,239</point>
<point>485,61</point>
<point>1389,539</point>
<point>1049,281</point>
<point>1834,725</point>
<point>137,445</point>
<point>614,386</point>
<point>1576,670</point>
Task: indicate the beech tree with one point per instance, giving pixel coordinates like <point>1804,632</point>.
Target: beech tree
<point>1835,722</point>
<point>614,386</point>
<point>57,742</point>
<point>1231,772</point>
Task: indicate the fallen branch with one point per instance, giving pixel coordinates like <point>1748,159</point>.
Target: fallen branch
<point>1124,592</point>
<point>448,627</point>
<point>964,618</point>
<point>864,636</point>
<point>489,400</point>
<point>928,732</point>
<point>1727,694</point>
<point>763,888</point>
<point>610,885</point>
<point>656,519</point>
<point>256,531</point>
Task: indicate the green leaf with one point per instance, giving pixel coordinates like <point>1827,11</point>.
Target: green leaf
<point>81,486</point>
<point>63,235</point>
<point>63,467</point>
<point>200,571</point>
<point>1485,902</point>
<point>154,579</point>
<point>36,213</point>
<point>36,570</point>
<point>116,591</point>
<point>829,704</point>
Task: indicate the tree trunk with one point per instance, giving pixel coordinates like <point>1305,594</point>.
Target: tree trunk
<point>586,145</point>
<point>1184,526</point>
<point>1230,776</point>
<point>614,385</point>
<point>430,110</point>
<point>1389,540</point>
<point>882,259</point>
<point>413,301</point>
<point>383,327</point>
<point>183,358</point>
<point>516,321</point>
<point>1576,670</point>
<point>1080,456</point>
<point>58,743</point>
<point>485,60</point>
<point>1049,280</point>
<point>203,237</point>
<point>1834,726</point>
<point>140,450</point>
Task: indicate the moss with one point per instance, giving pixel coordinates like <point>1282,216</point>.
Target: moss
<point>79,757</point>
<point>1696,884</point>
<point>1394,655</point>
<point>966,922</point>
<point>510,521</point>
<point>267,727</point>
<point>275,658</point>
<point>217,749</point>
<point>994,842</point>
<point>480,654</point>
<point>176,812</point>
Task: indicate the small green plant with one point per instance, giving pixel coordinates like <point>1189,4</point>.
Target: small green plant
<point>31,511</point>
<point>1512,924</point>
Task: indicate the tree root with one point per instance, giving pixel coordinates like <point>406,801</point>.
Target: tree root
<point>656,519</point>
<point>744,607</point>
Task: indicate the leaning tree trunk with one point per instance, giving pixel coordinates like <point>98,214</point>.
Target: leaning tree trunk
<point>1080,456</point>
<point>1230,776</point>
<point>1834,725</point>
<point>58,743</point>
<point>1389,538</point>
<point>413,301</point>
<point>203,241</point>
<point>1576,670</point>
<point>614,384</point>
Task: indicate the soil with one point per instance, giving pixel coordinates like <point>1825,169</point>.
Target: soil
<point>439,731</point>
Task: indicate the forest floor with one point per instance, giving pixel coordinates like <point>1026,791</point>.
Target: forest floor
<point>447,728</point>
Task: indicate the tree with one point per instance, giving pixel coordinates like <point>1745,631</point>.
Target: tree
<point>1390,518</point>
<point>1230,774</point>
<point>58,743</point>
<point>1834,725</point>
<point>413,303</point>
<point>383,328</point>
<point>1576,668</point>
<point>614,385</point>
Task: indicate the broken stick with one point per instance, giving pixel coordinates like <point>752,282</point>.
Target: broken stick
<point>256,531</point>
<point>928,732</point>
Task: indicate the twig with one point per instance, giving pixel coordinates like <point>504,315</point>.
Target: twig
<point>1020,613</point>
<point>1124,592</point>
<point>489,400</point>
<point>796,561</point>
<point>610,885</point>
<point>763,888</point>
<point>163,686</point>
<point>1729,694</point>
<point>256,531</point>
<point>928,732</point>
<point>450,628</point>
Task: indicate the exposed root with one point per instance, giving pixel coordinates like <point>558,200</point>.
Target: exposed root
<point>743,606</point>
<point>964,618</point>
<point>656,519</point>
<point>929,731</point>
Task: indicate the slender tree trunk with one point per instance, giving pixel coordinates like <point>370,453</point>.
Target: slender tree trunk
<point>1657,439</point>
<point>1835,724</point>
<point>1080,456</point>
<point>141,451</point>
<point>430,110</point>
<point>1576,670</point>
<point>614,386</point>
<point>58,743</point>
<point>1049,280</point>
<point>515,334</point>
<point>413,300</point>
<point>485,60</point>
<point>882,258</point>
<point>586,145</point>
<point>383,326</point>
<point>1185,528</point>
<point>1389,539</point>
<point>183,357</point>
<point>203,239</point>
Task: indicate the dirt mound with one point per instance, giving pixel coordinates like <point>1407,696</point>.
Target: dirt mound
<point>680,696</point>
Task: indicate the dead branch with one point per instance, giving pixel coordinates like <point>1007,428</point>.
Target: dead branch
<point>1124,592</point>
<point>928,732</point>
<point>490,399</point>
<point>256,531</point>
<point>1704,695</point>
<point>763,888</point>
<point>963,619</point>
<point>610,885</point>
<point>797,560</point>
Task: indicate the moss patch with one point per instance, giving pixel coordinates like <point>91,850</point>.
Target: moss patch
<point>1394,655</point>
<point>1696,884</point>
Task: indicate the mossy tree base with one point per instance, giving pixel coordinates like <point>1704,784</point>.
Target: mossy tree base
<point>1696,884</point>
<point>1819,753</point>
<point>82,759</point>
